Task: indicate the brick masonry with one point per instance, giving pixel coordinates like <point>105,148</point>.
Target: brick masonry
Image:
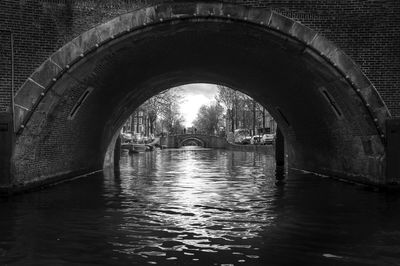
<point>53,145</point>
<point>368,31</point>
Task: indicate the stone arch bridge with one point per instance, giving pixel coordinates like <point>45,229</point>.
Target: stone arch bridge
<point>206,141</point>
<point>73,71</point>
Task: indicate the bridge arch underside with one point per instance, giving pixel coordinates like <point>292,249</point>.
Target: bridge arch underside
<point>331,116</point>
<point>191,142</point>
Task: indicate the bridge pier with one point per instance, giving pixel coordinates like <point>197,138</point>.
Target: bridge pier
<point>279,157</point>
<point>393,151</point>
<point>6,148</point>
<point>117,153</point>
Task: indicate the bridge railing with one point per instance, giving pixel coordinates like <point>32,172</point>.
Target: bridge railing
<point>195,134</point>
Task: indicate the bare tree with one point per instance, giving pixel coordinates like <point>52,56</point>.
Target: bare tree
<point>209,118</point>
<point>242,111</point>
<point>163,109</point>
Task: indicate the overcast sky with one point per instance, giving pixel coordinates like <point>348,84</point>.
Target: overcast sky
<point>194,96</point>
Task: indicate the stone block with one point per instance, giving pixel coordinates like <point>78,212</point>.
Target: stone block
<point>19,116</point>
<point>358,78</point>
<point>143,16</point>
<point>323,45</point>
<point>126,20</point>
<point>341,60</point>
<point>137,18</point>
<point>302,33</point>
<point>87,40</point>
<point>260,16</point>
<point>183,10</point>
<point>28,94</point>
<point>376,105</point>
<point>66,54</point>
<point>206,9</point>
<point>163,11</point>
<point>110,29</point>
<point>150,15</point>
<point>233,11</point>
<point>281,23</point>
<point>45,73</point>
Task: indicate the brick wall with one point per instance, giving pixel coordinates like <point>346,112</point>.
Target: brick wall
<point>5,69</point>
<point>368,31</point>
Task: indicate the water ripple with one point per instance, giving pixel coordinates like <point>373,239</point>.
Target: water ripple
<point>200,207</point>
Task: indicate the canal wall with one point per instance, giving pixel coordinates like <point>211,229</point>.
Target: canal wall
<point>208,141</point>
<point>268,149</point>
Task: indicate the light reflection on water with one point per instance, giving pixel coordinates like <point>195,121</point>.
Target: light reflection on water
<point>195,206</point>
<point>200,201</point>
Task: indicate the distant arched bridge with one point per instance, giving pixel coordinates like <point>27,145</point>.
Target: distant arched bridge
<point>206,141</point>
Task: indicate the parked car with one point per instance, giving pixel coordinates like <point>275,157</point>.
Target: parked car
<point>126,137</point>
<point>240,135</point>
<point>246,140</point>
<point>256,139</point>
<point>268,139</point>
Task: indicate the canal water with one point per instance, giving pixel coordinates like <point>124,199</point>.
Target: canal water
<point>197,206</point>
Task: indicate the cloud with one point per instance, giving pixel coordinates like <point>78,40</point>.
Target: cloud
<point>206,90</point>
<point>194,96</point>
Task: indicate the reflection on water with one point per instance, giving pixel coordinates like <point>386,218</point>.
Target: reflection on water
<point>196,206</point>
